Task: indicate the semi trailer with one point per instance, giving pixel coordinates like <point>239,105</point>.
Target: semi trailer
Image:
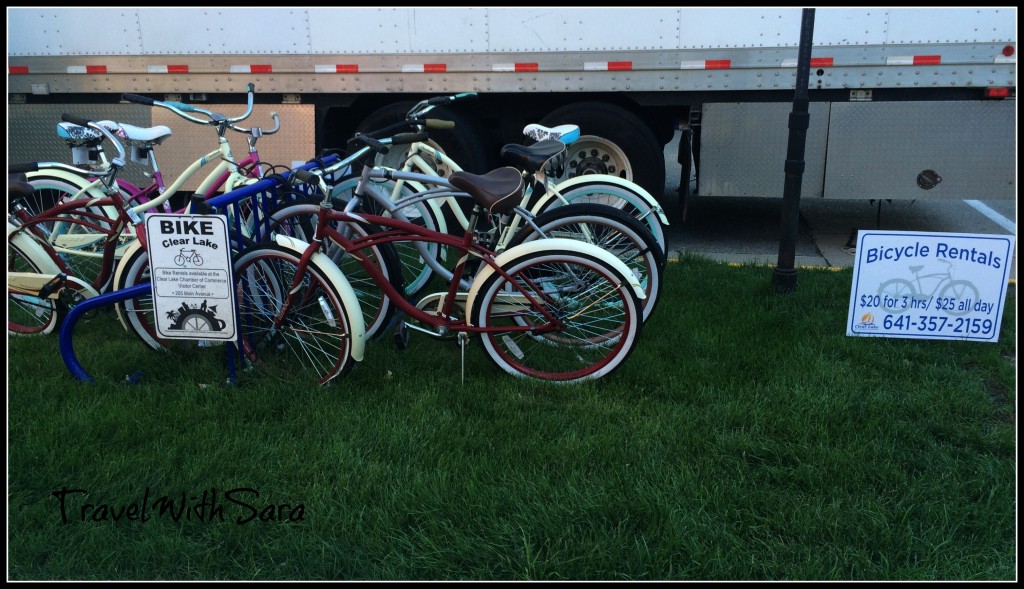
<point>905,103</point>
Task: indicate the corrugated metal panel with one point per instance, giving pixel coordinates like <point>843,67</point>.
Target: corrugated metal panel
<point>32,131</point>
<point>743,149</point>
<point>880,149</point>
<point>293,142</point>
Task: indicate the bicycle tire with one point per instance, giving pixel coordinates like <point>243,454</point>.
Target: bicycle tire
<point>298,220</point>
<point>611,229</point>
<point>620,197</point>
<point>315,333</point>
<point>601,314</point>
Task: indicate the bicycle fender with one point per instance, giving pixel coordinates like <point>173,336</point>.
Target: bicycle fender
<point>84,287</point>
<point>75,180</point>
<point>566,185</point>
<point>553,244</point>
<point>32,250</point>
<point>348,295</point>
<point>128,253</point>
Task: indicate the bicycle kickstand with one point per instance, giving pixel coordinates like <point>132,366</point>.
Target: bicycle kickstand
<point>401,335</point>
<point>463,337</point>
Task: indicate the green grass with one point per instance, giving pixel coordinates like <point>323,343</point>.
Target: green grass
<point>746,438</point>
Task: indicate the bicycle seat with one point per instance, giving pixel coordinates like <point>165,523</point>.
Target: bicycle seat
<point>79,136</point>
<point>144,136</point>
<point>18,186</point>
<point>916,269</point>
<point>549,154</point>
<point>498,191</point>
<point>564,133</point>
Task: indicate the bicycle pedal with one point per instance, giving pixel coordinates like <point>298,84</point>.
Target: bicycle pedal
<point>56,283</point>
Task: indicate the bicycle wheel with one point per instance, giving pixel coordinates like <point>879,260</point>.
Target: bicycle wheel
<point>415,270</point>
<point>620,197</point>
<point>299,220</point>
<point>314,334</point>
<point>598,314</point>
<point>614,231</point>
<point>79,244</point>
<point>27,314</point>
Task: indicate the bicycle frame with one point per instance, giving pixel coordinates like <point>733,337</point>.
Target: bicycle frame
<point>541,191</point>
<point>112,227</point>
<point>399,230</point>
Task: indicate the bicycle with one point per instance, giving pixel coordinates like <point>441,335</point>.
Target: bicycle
<point>898,295</point>
<point>428,158</point>
<point>83,249</point>
<point>554,309</point>
<point>192,257</point>
<point>598,224</point>
<point>91,223</point>
<point>38,291</point>
<point>538,163</point>
<point>85,218</point>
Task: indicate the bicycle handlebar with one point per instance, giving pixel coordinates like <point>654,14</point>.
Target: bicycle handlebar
<point>259,131</point>
<point>438,124</point>
<point>370,142</point>
<point>180,108</point>
<point>424,106</point>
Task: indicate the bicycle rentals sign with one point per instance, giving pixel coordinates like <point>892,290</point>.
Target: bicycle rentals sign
<point>929,285</point>
<point>190,270</point>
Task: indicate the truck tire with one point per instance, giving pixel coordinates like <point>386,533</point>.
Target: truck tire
<point>465,143</point>
<point>612,141</point>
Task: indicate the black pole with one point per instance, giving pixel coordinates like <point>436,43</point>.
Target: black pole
<point>784,273</point>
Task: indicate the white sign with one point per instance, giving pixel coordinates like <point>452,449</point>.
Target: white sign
<point>190,270</point>
<point>929,285</point>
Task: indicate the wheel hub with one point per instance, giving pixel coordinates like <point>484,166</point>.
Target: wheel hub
<point>591,161</point>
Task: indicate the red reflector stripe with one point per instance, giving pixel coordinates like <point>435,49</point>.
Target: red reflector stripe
<point>718,64</point>
<point>177,69</point>
<point>260,69</point>
<point>821,62</point>
<point>526,67</point>
<point>342,68</point>
<point>620,66</point>
<point>927,59</point>
<point>997,92</point>
<point>95,69</point>
<point>435,67</point>
<point>17,69</point>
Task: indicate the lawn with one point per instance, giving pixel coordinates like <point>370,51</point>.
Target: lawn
<point>746,438</point>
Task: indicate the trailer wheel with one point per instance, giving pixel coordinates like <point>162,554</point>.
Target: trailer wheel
<point>612,141</point>
<point>465,143</point>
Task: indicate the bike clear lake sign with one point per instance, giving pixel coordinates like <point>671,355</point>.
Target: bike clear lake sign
<point>910,284</point>
<point>190,270</point>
